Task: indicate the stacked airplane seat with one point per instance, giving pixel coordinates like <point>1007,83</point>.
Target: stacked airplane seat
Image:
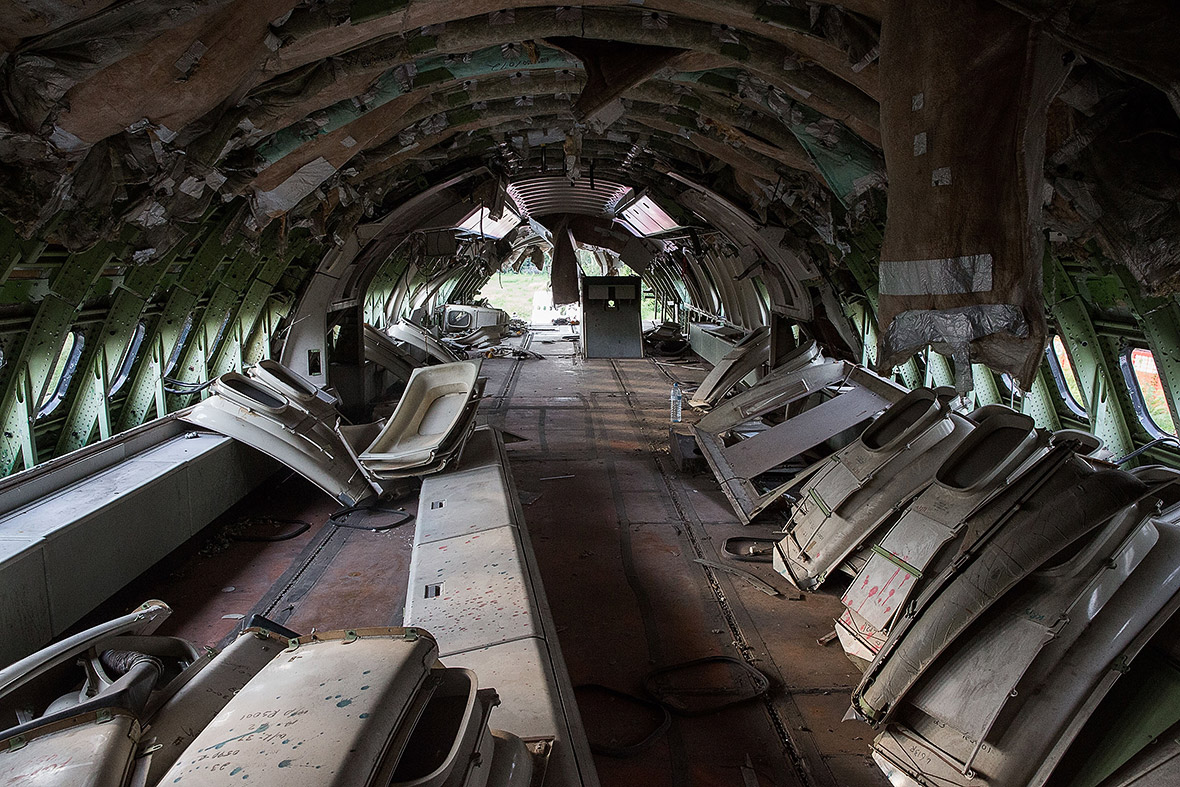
<point>849,495</point>
<point>287,417</point>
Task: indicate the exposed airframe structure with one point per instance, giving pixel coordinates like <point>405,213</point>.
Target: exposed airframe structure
<point>235,206</point>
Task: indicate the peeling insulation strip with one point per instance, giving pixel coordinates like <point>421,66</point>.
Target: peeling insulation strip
<point>291,191</point>
<point>976,185</point>
<point>404,79</point>
<point>564,275</point>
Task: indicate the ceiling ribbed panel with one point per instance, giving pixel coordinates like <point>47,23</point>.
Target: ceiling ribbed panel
<point>542,196</point>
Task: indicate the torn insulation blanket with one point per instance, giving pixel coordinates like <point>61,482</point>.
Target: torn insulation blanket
<point>848,166</point>
<point>1136,36</point>
<point>964,139</point>
<point>564,276</point>
<point>1125,196</point>
<point>45,68</point>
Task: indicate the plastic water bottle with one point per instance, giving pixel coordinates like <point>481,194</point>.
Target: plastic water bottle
<point>677,399</point>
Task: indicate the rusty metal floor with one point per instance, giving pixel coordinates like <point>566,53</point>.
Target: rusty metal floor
<point>616,531</point>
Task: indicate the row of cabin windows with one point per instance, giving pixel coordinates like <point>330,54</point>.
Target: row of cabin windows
<point>65,366</point>
<point>1138,366</point>
<point>1141,376</point>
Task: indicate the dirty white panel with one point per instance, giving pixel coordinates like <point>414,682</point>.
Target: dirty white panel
<point>45,480</point>
<point>98,554</point>
<point>916,539</point>
<point>520,673</point>
<point>804,431</point>
<point>321,714</point>
<point>471,591</point>
<point>223,477</point>
<point>463,502</point>
<point>87,755</point>
<point>487,611</point>
<point>831,487</point>
<point>24,615</point>
<point>99,533</point>
<point>183,715</point>
<point>970,687</point>
<point>882,586</point>
<point>1102,587</point>
<point>68,505</point>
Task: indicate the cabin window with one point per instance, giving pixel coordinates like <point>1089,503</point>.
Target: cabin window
<point>644,217</point>
<point>130,353</point>
<point>178,348</point>
<point>63,370</point>
<point>221,329</point>
<point>481,223</point>
<point>1009,390</point>
<point>1066,377</point>
<point>1147,391</point>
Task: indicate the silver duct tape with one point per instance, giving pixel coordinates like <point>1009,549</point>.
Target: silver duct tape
<point>287,194</point>
<point>192,187</point>
<point>951,276</point>
<point>187,63</point>
<point>955,328</point>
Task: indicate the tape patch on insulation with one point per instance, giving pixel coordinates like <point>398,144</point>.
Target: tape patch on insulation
<point>951,276</point>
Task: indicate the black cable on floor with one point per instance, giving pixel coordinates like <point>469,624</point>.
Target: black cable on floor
<point>759,685</point>
<point>340,518</point>
<point>301,527</point>
<point>640,746</point>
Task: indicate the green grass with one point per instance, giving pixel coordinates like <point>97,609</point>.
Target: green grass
<point>513,292</point>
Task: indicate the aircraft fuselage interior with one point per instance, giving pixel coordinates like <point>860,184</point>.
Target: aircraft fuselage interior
<point>768,393</point>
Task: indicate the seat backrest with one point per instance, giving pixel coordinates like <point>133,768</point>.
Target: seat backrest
<point>996,447</point>
<point>426,385</point>
<point>243,391</point>
<point>273,372</point>
<point>912,413</point>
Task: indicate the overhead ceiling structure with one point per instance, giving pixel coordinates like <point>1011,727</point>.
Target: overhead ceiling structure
<point>548,194</point>
<point>248,167</point>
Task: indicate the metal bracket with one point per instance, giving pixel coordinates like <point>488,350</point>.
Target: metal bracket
<point>540,749</point>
